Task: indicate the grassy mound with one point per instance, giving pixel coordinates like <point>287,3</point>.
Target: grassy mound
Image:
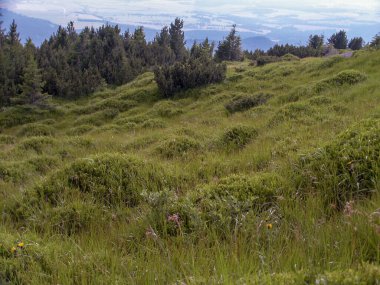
<point>180,146</point>
<point>35,130</point>
<point>80,130</point>
<point>238,137</point>
<point>346,77</point>
<point>167,109</point>
<point>6,139</point>
<point>37,144</point>
<point>232,197</point>
<point>347,168</point>
<point>108,179</point>
<point>243,103</point>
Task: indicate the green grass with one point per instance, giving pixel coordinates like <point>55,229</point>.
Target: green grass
<point>271,177</point>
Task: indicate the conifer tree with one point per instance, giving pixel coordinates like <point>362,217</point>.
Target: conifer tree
<point>177,39</point>
<point>339,40</point>
<point>230,48</point>
<point>31,88</point>
<point>13,35</point>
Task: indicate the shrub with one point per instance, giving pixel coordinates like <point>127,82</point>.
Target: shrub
<point>188,74</point>
<point>243,103</point>
<point>238,137</point>
<point>108,179</point>
<point>34,130</point>
<point>349,77</point>
<point>43,163</point>
<point>178,147</point>
<point>347,168</point>
<point>153,124</point>
<point>266,59</point>
<point>12,171</point>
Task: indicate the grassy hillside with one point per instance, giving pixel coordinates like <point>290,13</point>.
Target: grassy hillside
<point>269,178</point>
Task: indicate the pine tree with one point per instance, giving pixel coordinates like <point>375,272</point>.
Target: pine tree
<point>230,48</point>
<point>177,39</point>
<point>339,40</point>
<point>316,41</point>
<point>31,88</point>
<point>356,43</point>
<point>13,35</point>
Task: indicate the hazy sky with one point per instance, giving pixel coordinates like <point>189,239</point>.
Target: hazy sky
<point>303,15</point>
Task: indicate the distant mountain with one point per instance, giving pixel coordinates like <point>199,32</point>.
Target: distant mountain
<point>254,43</point>
<point>38,30</point>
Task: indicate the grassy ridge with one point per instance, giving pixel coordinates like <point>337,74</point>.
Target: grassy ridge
<point>271,177</point>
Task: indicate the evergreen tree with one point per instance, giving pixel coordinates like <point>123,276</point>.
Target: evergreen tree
<point>162,52</point>
<point>316,41</point>
<point>375,43</point>
<point>13,35</point>
<point>177,39</point>
<point>230,48</point>
<point>2,33</point>
<point>339,40</point>
<point>356,43</point>
<point>31,88</point>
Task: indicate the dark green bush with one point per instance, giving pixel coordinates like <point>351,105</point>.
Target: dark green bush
<point>238,137</point>
<point>347,168</point>
<point>243,103</point>
<point>265,59</point>
<point>35,130</point>
<point>330,62</point>
<point>178,147</point>
<point>188,74</point>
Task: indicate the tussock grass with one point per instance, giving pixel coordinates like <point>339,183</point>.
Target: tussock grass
<point>123,187</point>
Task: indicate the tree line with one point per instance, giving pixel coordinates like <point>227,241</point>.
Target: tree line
<point>71,64</point>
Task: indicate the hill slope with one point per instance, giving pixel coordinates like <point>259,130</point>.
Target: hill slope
<point>253,181</point>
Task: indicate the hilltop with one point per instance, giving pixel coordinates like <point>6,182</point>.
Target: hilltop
<point>271,177</point>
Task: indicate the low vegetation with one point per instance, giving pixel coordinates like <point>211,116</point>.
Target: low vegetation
<point>268,177</point>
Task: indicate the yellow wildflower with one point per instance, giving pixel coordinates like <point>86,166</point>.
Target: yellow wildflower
<point>13,249</point>
<point>20,244</point>
<point>269,226</point>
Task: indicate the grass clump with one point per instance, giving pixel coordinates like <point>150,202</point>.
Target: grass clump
<point>226,201</point>
<point>266,59</point>
<point>290,57</point>
<point>98,118</point>
<point>347,168</point>
<point>238,137</point>
<point>43,163</point>
<point>181,146</point>
<point>80,130</point>
<point>13,172</point>
<point>108,179</point>
<point>346,77</point>
<point>292,111</point>
<point>153,124</point>
<point>37,144</point>
<point>35,130</point>
<point>167,109</point>
<point>6,139</point>
<point>243,103</point>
